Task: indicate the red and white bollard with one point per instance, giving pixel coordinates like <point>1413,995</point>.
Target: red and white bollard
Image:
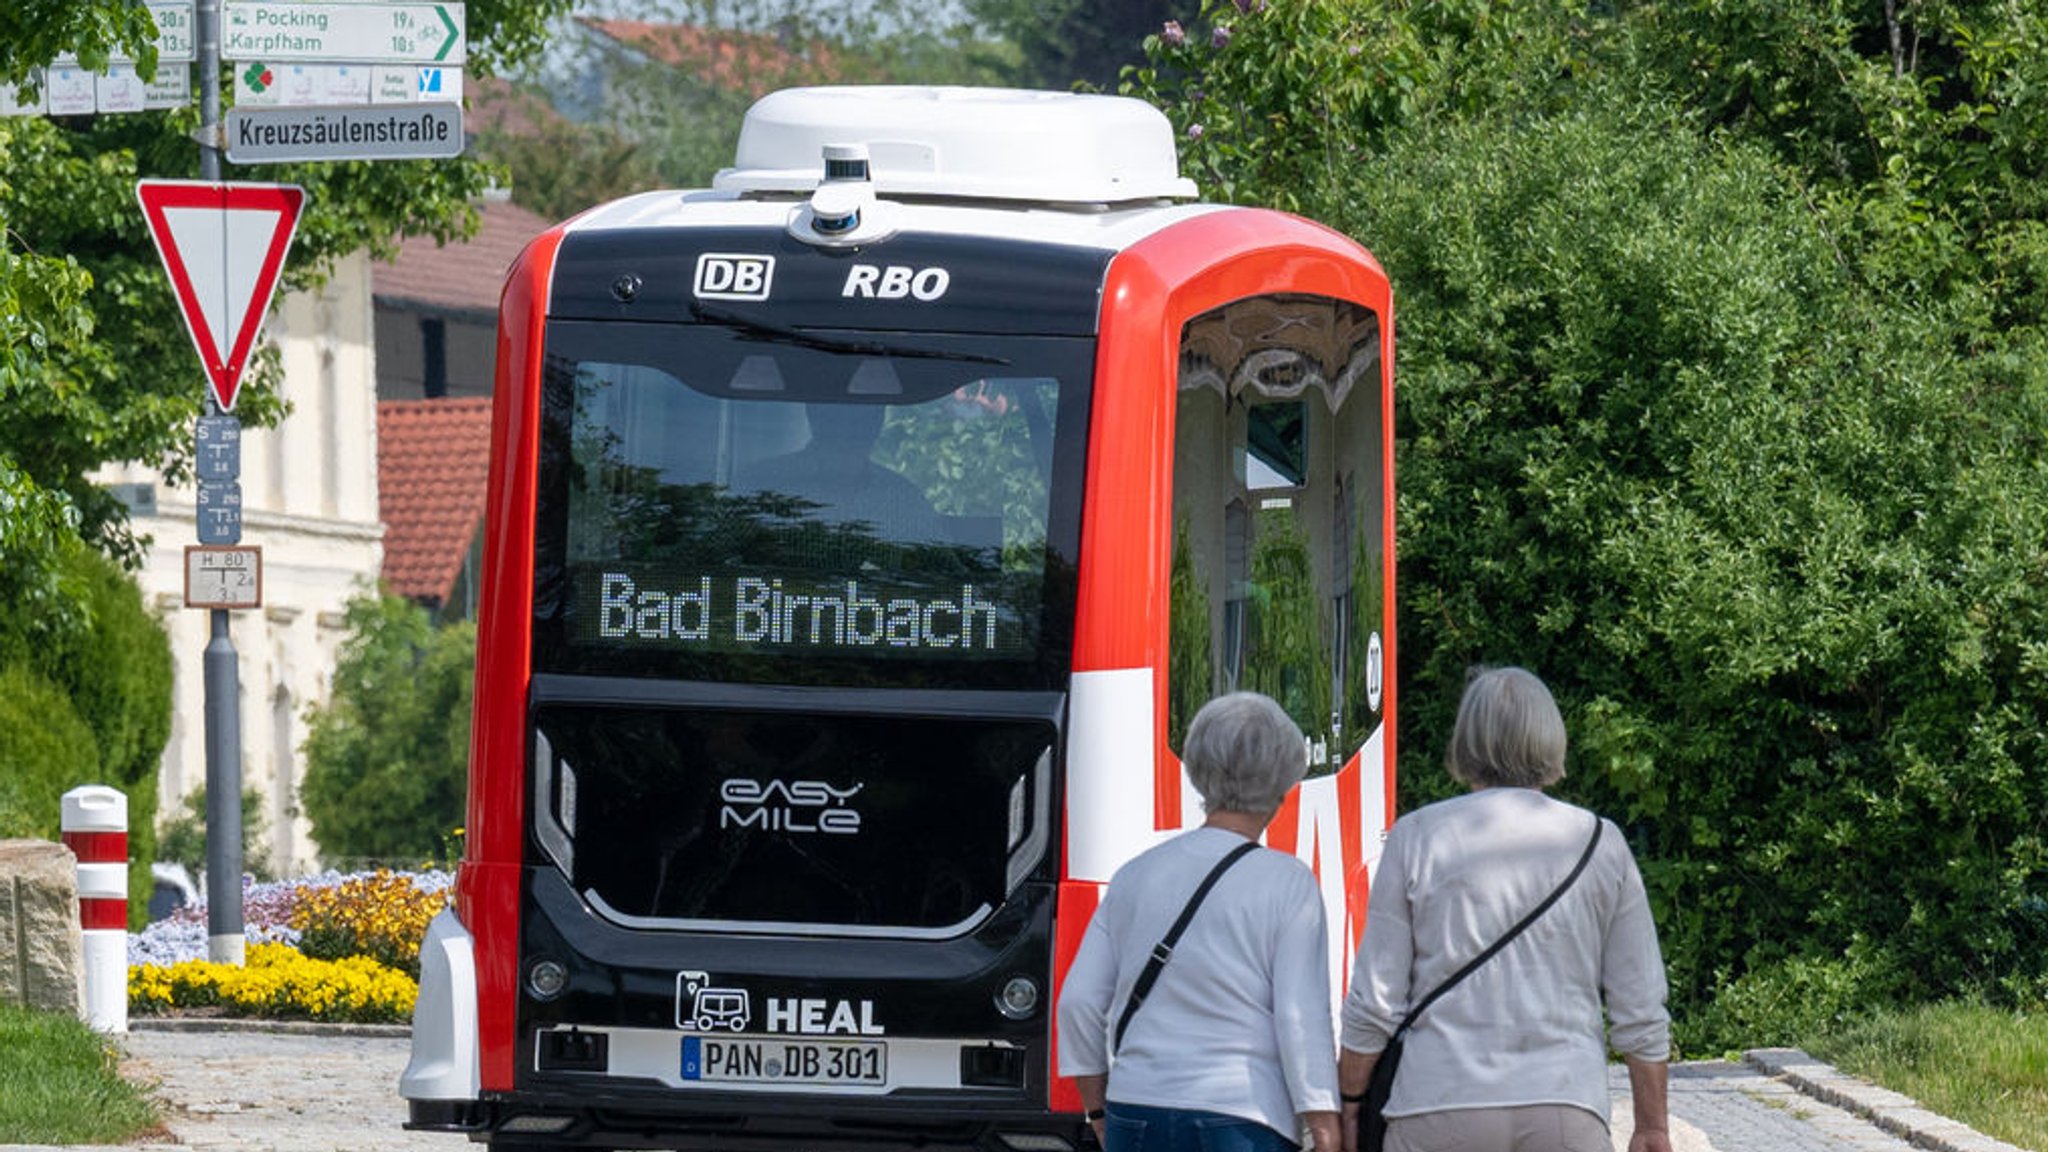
<point>95,828</point>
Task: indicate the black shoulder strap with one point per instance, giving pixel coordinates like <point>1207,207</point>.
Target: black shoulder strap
<point>1163,951</point>
<point>1474,963</point>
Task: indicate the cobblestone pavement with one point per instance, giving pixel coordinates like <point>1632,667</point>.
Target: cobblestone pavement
<point>315,1089</point>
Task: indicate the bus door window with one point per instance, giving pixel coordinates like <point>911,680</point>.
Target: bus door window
<point>1276,576</point>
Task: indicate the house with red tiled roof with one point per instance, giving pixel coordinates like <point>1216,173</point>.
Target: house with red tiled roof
<point>432,460</point>
<point>728,59</point>
<point>436,313</point>
<point>437,306</point>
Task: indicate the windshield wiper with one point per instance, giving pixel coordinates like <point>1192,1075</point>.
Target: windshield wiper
<point>753,329</point>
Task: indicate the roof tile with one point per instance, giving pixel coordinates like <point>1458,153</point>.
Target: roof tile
<point>433,457</point>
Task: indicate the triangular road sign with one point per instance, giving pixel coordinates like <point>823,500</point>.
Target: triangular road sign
<point>224,246</point>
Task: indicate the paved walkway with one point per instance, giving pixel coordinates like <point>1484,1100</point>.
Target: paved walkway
<point>315,1089</point>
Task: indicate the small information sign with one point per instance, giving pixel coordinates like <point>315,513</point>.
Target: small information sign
<point>223,577</point>
<point>174,35</point>
<point>218,448</point>
<point>13,104</point>
<point>263,85</point>
<point>220,512</point>
<point>71,90</point>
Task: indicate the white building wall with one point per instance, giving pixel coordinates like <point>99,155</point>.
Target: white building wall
<point>309,500</point>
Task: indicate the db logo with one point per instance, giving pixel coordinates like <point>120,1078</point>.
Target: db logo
<point>895,282</point>
<point>727,276</point>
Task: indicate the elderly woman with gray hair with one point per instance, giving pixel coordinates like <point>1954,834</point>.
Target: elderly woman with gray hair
<point>1514,1055</point>
<point>1234,1050</point>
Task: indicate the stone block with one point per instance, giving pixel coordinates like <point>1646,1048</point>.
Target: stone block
<point>42,952</point>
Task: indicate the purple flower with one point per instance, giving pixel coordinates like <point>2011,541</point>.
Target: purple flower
<point>1194,131</point>
<point>1173,35</point>
<point>1221,37</point>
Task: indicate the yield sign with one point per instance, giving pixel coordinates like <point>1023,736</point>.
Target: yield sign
<point>223,245</point>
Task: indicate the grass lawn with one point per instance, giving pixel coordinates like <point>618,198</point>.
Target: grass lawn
<point>1986,1067</point>
<point>59,1084</point>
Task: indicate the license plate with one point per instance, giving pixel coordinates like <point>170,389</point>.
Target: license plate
<point>757,1061</point>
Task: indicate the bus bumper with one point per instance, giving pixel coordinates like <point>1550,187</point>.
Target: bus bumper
<point>441,1079</point>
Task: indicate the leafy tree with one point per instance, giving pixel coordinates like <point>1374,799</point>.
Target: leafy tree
<point>87,328</point>
<point>559,167</point>
<point>1063,44</point>
<point>1739,446</point>
<point>681,80</point>
<point>387,756</point>
<point>184,836</point>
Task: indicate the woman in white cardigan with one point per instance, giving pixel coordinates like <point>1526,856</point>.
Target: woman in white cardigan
<point>1234,1050</point>
<point>1514,1056</point>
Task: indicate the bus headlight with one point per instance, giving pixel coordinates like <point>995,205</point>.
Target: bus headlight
<point>546,979</point>
<point>1019,997</point>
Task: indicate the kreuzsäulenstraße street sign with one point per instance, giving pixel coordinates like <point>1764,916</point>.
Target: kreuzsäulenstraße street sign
<point>344,132</point>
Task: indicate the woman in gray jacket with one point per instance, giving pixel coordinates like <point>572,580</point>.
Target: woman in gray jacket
<point>1515,1055</point>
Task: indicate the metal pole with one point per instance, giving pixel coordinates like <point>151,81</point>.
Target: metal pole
<point>223,797</point>
<point>207,16</point>
<point>224,936</point>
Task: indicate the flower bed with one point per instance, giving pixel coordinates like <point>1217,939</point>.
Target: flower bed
<point>328,947</point>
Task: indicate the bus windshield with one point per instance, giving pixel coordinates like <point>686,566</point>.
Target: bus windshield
<point>728,503</point>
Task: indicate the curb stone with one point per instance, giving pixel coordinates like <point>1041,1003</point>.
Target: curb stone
<point>245,1024</point>
<point>1898,1114</point>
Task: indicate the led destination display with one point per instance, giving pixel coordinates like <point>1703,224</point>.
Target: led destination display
<point>619,605</point>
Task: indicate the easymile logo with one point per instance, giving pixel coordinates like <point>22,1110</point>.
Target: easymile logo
<point>793,806</point>
<point>734,276</point>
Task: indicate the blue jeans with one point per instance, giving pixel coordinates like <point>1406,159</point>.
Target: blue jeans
<point>1140,1128</point>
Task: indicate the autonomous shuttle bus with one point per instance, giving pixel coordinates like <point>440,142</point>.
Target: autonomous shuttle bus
<point>863,532</point>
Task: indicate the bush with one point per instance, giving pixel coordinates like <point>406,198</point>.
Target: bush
<point>45,751</point>
<point>1787,1003</point>
<point>105,667</point>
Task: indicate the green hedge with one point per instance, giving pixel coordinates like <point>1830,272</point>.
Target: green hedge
<point>85,698</point>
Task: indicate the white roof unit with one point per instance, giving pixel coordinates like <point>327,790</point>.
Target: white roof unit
<point>985,143</point>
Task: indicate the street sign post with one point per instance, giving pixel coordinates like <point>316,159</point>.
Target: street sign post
<point>344,132</point>
<point>366,33</point>
<point>224,247</point>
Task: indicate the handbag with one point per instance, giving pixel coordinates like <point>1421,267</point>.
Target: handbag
<point>1372,1109</point>
<point>1163,951</point>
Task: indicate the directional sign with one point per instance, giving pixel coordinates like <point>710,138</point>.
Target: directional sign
<point>224,246</point>
<point>344,132</point>
<point>359,33</point>
<point>173,35</point>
